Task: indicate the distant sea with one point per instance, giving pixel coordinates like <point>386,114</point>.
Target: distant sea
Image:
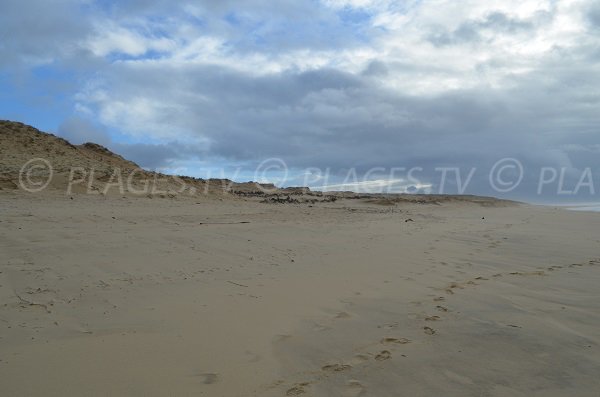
<point>584,207</point>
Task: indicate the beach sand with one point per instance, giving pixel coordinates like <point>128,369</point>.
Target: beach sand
<point>204,296</point>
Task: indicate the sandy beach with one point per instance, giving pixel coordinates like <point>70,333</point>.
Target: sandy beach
<point>324,198</point>
<point>134,296</point>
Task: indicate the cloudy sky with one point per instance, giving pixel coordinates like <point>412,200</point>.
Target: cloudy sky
<point>347,93</point>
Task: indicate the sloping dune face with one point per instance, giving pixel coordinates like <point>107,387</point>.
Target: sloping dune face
<point>20,143</point>
<point>28,154</point>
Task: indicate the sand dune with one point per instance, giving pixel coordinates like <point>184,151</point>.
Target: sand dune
<point>93,168</point>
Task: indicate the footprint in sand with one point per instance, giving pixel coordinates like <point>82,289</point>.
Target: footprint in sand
<point>389,326</point>
<point>354,389</point>
<point>442,308</point>
<point>209,378</point>
<point>360,358</point>
<point>432,318</point>
<point>536,273</point>
<point>281,337</point>
<point>252,357</point>
<point>342,315</point>
<point>428,330</point>
<point>320,327</point>
<point>398,341</point>
<point>439,299</point>
<point>383,355</point>
<point>297,390</point>
<point>336,367</point>
<point>455,285</point>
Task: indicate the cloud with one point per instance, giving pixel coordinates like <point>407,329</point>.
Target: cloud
<point>594,16</point>
<point>111,39</point>
<point>39,32</point>
<point>337,84</point>
<point>155,156</point>
<point>490,26</point>
<point>78,130</point>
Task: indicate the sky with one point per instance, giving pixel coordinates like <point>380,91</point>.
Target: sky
<point>438,96</point>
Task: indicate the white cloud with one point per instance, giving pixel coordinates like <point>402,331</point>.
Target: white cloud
<point>405,41</point>
<point>111,38</point>
<point>377,186</point>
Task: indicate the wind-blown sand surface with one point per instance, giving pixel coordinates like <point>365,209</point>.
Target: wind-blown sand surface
<point>158,297</point>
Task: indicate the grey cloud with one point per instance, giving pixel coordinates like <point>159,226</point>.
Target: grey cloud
<point>328,118</point>
<point>39,30</point>
<point>156,156</point>
<point>376,68</point>
<point>594,16</point>
<point>500,22</point>
<point>325,117</point>
<point>78,130</point>
<point>497,22</point>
